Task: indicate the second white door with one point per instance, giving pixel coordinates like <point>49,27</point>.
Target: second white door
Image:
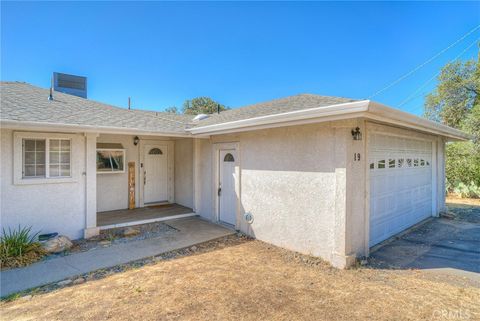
<point>155,174</point>
<point>227,197</point>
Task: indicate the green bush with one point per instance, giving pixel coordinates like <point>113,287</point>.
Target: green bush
<point>466,191</point>
<point>462,167</point>
<point>18,247</point>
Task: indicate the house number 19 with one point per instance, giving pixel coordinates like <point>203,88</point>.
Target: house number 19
<point>356,157</point>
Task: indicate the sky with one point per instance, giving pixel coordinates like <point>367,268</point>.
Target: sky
<point>238,53</point>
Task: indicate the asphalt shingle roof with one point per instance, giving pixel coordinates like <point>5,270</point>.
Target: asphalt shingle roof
<point>272,107</point>
<point>28,103</point>
<point>25,102</point>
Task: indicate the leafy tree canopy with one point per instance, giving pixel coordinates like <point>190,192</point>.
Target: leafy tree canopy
<point>202,105</point>
<point>456,103</point>
<point>456,100</point>
<point>172,109</point>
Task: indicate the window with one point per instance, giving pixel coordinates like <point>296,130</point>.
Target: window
<point>401,162</point>
<point>391,163</point>
<point>155,151</point>
<point>36,164</point>
<point>415,162</point>
<point>59,156</point>
<point>228,158</point>
<point>33,158</point>
<point>110,160</point>
<point>381,164</point>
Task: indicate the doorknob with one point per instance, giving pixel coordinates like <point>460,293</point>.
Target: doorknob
<point>219,191</point>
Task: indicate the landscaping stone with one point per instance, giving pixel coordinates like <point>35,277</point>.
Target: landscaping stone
<point>65,282</point>
<point>131,231</point>
<point>57,244</point>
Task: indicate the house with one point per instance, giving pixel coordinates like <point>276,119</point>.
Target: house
<point>325,176</point>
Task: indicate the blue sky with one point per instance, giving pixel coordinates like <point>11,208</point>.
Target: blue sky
<point>237,53</point>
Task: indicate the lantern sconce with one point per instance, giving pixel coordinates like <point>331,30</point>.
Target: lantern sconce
<point>136,140</point>
<point>357,135</point>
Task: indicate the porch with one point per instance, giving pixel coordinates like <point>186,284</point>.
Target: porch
<point>143,215</point>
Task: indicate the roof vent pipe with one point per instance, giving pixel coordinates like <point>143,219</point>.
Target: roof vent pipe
<point>129,103</point>
<point>50,97</point>
<point>218,108</point>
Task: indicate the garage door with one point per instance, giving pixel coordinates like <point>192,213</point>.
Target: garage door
<point>400,184</point>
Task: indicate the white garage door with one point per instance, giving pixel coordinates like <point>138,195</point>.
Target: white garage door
<point>400,184</point>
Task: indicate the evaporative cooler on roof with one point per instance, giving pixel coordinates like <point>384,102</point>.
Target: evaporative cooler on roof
<point>70,84</point>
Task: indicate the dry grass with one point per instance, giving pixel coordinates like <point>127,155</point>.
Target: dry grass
<point>250,280</point>
<point>465,201</point>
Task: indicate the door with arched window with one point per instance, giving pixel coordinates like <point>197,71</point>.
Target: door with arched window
<point>227,198</point>
<point>155,174</point>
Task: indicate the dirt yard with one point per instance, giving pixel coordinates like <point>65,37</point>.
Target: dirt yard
<point>249,280</point>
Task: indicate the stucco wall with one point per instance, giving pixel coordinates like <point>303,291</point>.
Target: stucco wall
<point>288,183</point>
<point>204,183</point>
<point>112,188</point>
<point>53,207</point>
<point>184,172</point>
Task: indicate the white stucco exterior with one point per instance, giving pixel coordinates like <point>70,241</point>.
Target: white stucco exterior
<point>46,207</point>
<point>303,185</point>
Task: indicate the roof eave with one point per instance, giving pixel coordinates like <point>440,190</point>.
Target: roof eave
<point>379,112</point>
<point>364,108</point>
<point>282,119</point>
<point>56,127</point>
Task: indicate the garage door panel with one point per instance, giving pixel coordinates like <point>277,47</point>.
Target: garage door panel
<point>400,184</point>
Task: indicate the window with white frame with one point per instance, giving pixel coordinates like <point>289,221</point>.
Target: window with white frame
<point>46,158</point>
<point>110,160</point>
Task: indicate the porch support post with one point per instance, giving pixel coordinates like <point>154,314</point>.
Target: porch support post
<point>196,171</point>
<point>91,228</point>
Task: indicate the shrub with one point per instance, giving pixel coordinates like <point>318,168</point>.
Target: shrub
<point>468,191</point>
<point>18,247</point>
<point>462,167</point>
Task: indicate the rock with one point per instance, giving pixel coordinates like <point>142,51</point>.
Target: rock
<point>131,231</point>
<point>57,244</point>
<point>194,248</point>
<point>26,297</point>
<point>79,281</point>
<point>104,243</point>
<point>64,282</point>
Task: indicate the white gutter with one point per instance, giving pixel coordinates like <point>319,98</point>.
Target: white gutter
<point>15,124</point>
<point>364,108</point>
<point>332,110</point>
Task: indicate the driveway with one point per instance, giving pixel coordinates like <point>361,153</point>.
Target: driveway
<point>449,244</point>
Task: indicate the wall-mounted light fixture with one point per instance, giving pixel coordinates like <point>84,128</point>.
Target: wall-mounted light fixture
<point>357,135</point>
<point>136,140</point>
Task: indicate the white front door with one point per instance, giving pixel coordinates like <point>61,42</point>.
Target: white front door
<point>227,198</point>
<point>155,174</point>
<point>400,184</point>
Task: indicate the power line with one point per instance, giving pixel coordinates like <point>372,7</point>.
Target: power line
<point>425,63</point>
<point>414,94</point>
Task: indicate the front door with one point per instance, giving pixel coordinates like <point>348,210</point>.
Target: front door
<point>155,174</point>
<point>227,198</point>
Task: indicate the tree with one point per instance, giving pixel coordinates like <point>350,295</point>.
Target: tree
<point>456,103</point>
<point>202,105</point>
<point>172,109</point>
<point>456,95</point>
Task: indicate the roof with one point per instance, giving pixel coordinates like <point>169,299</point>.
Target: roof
<point>25,104</point>
<point>22,102</point>
<point>276,106</point>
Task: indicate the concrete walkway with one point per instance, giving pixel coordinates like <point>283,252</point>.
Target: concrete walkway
<point>190,231</point>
